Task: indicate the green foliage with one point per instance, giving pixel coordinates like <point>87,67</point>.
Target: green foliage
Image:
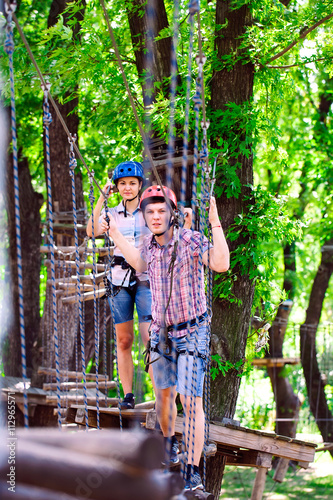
<point>224,366</point>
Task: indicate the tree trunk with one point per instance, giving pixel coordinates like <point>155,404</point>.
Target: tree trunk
<point>313,378</point>
<point>231,319</point>
<point>29,203</point>
<point>62,205</point>
<point>146,20</point>
<point>286,401</point>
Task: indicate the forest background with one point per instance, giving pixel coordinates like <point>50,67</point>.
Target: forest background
<point>269,90</point>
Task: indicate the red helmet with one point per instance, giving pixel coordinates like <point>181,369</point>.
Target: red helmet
<point>154,194</point>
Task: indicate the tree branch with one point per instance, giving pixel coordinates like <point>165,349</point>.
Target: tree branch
<point>287,66</point>
<point>301,37</point>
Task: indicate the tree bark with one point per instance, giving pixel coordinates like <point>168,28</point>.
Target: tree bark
<point>313,378</point>
<point>286,401</point>
<point>146,20</point>
<point>29,204</point>
<point>62,204</point>
<point>231,319</point>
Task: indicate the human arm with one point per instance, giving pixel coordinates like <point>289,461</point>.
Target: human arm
<point>131,253</point>
<point>219,254</point>
<point>100,225</point>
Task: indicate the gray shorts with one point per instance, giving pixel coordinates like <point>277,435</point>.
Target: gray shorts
<point>181,367</point>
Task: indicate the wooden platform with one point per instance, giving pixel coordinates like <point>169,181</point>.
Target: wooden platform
<point>275,362</point>
<point>109,417</point>
<point>106,465</point>
<point>42,402</point>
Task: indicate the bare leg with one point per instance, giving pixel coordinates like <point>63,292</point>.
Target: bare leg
<point>124,332</point>
<point>197,420</point>
<point>166,410</point>
<point>145,336</point>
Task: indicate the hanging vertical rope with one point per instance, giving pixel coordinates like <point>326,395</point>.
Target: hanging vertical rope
<point>9,48</point>
<point>47,119</point>
<point>96,329</point>
<point>72,165</point>
<point>111,303</point>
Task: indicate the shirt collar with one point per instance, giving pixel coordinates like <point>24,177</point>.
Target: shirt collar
<point>154,243</point>
<point>120,208</point>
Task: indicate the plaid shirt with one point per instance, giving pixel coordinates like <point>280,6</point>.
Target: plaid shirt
<point>133,227</point>
<point>185,281</point>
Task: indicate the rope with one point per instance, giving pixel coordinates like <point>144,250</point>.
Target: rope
<point>9,48</point>
<point>111,304</point>
<point>47,118</point>
<point>130,97</point>
<point>105,356</point>
<point>96,330</point>
<point>72,165</point>
<point>173,85</point>
<point>45,85</point>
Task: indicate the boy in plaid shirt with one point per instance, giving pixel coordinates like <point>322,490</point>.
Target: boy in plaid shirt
<point>178,307</point>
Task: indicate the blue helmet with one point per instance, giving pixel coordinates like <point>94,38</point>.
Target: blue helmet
<point>128,169</point>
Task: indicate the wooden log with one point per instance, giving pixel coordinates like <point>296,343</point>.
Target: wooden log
<point>67,386</point>
<point>27,492</point>
<point>72,249</point>
<point>94,477</point>
<point>259,484</point>
<point>88,278</point>
<point>43,370</point>
<point>135,449</point>
<point>73,399</point>
<point>281,470</point>
<point>109,417</point>
<point>72,287</point>
<point>82,265</point>
<point>100,292</point>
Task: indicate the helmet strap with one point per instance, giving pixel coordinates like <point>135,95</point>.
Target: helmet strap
<point>125,211</point>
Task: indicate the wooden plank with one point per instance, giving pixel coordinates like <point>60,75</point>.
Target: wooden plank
<point>240,437</point>
<point>72,249</point>
<point>148,405</point>
<point>67,386</point>
<point>109,417</point>
<point>42,370</point>
<point>82,265</point>
<point>278,362</point>
<point>100,292</point>
<point>88,278</point>
<point>69,399</point>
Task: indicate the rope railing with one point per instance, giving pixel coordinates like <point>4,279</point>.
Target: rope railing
<point>9,48</point>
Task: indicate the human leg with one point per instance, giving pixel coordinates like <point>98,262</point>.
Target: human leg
<point>194,428</point>
<point>143,306</point>
<point>124,333</point>
<point>123,307</point>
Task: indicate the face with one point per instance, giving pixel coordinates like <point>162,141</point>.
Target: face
<point>157,217</point>
<point>128,187</point>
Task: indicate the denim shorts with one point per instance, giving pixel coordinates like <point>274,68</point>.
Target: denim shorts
<point>182,369</point>
<point>124,302</point>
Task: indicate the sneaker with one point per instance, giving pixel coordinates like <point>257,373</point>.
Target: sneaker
<point>172,457</point>
<point>128,402</point>
<point>194,482</point>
